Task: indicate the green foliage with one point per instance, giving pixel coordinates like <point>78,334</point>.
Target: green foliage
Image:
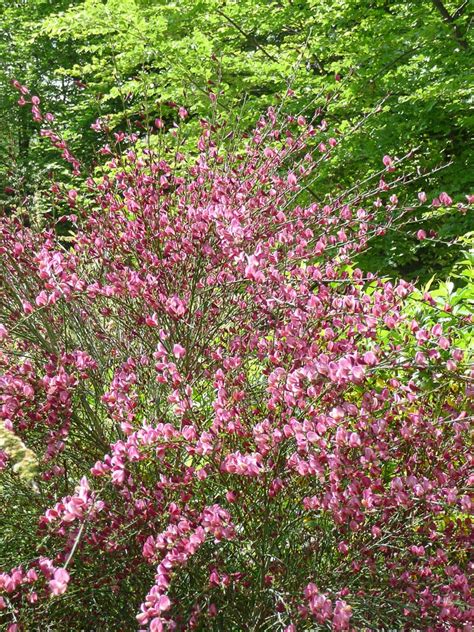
<point>27,52</point>
<point>453,301</point>
<point>400,252</point>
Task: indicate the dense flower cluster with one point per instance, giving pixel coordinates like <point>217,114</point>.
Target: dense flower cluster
<point>259,437</point>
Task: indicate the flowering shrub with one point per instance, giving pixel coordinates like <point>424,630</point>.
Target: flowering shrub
<point>233,427</point>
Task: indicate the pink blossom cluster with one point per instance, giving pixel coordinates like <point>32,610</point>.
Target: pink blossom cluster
<point>46,579</point>
<point>236,426</point>
<point>181,541</point>
<point>47,118</point>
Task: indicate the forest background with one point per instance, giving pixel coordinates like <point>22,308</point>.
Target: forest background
<point>410,61</point>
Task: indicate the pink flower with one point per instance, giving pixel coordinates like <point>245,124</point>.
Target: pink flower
<point>342,615</point>
<point>163,603</point>
<point>417,550</point>
<point>179,351</point>
<point>18,249</point>
<point>152,320</point>
<point>58,585</point>
<point>42,299</point>
<point>292,179</point>
<point>422,197</point>
<point>354,440</point>
<point>176,306</point>
<point>370,358</point>
<point>156,625</point>
<point>388,162</point>
<point>337,413</point>
<point>443,343</point>
<point>420,235</point>
<point>231,496</point>
<point>252,269</point>
<point>445,199</point>
<point>72,196</point>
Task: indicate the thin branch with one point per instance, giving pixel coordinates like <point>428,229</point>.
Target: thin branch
<point>247,35</point>
<point>460,10</point>
<point>451,22</point>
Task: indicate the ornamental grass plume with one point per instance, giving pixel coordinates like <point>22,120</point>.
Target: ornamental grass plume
<point>235,427</point>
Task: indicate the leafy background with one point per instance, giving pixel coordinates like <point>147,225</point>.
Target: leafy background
<point>126,59</point>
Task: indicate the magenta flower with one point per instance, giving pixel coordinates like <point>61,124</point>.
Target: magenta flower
<point>421,235</point>
<point>58,585</point>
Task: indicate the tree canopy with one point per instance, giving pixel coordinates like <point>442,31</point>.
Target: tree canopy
<point>127,59</point>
